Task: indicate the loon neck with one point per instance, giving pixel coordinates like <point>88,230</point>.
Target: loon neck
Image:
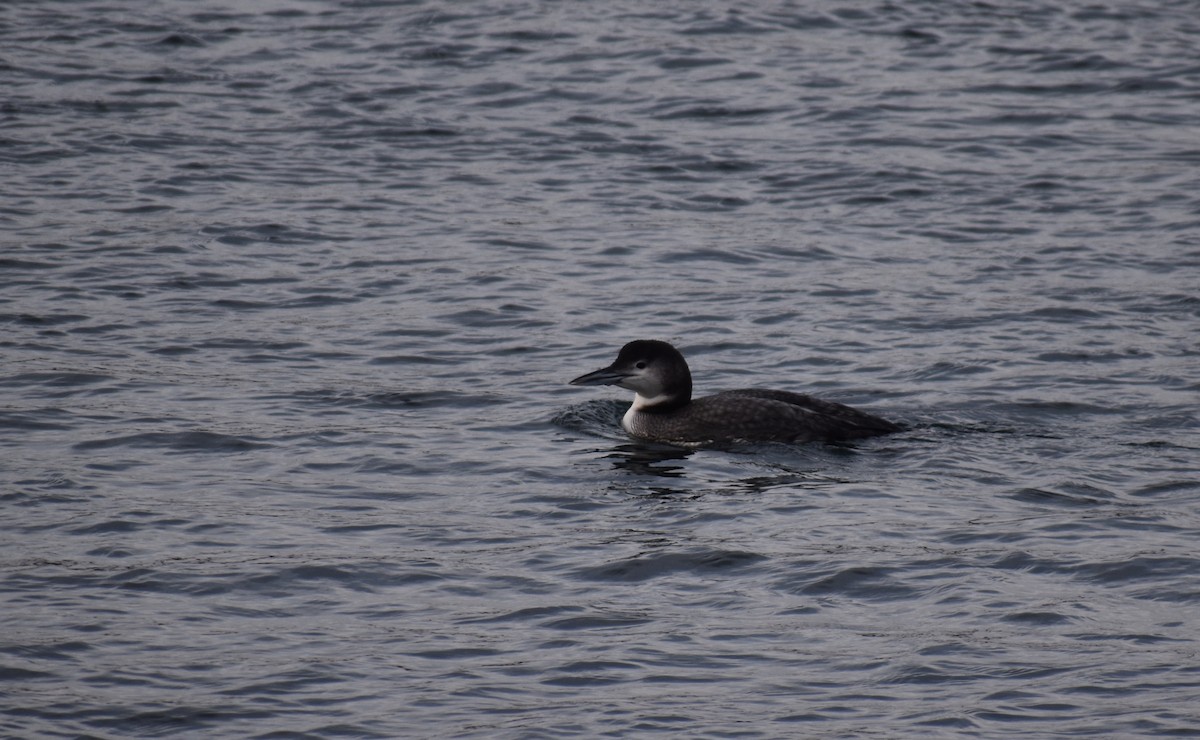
<point>661,403</point>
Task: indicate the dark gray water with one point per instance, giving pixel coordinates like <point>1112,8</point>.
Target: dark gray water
<point>292,290</point>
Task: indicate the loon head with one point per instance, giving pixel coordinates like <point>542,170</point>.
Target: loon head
<point>654,370</point>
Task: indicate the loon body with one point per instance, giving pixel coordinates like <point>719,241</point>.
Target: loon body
<point>663,409</point>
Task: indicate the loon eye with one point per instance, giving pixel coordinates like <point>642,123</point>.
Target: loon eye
<point>641,365</point>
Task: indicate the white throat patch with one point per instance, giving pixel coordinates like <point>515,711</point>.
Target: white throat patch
<point>640,403</point>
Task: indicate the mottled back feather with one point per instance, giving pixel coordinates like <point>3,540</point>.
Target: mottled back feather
<point>759,416</point>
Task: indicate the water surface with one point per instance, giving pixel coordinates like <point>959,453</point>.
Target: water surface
<point>292,290</point>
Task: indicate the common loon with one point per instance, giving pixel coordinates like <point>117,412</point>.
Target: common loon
<point>663,409</point>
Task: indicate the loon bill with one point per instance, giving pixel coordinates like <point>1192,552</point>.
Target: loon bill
<point>663,409</point>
